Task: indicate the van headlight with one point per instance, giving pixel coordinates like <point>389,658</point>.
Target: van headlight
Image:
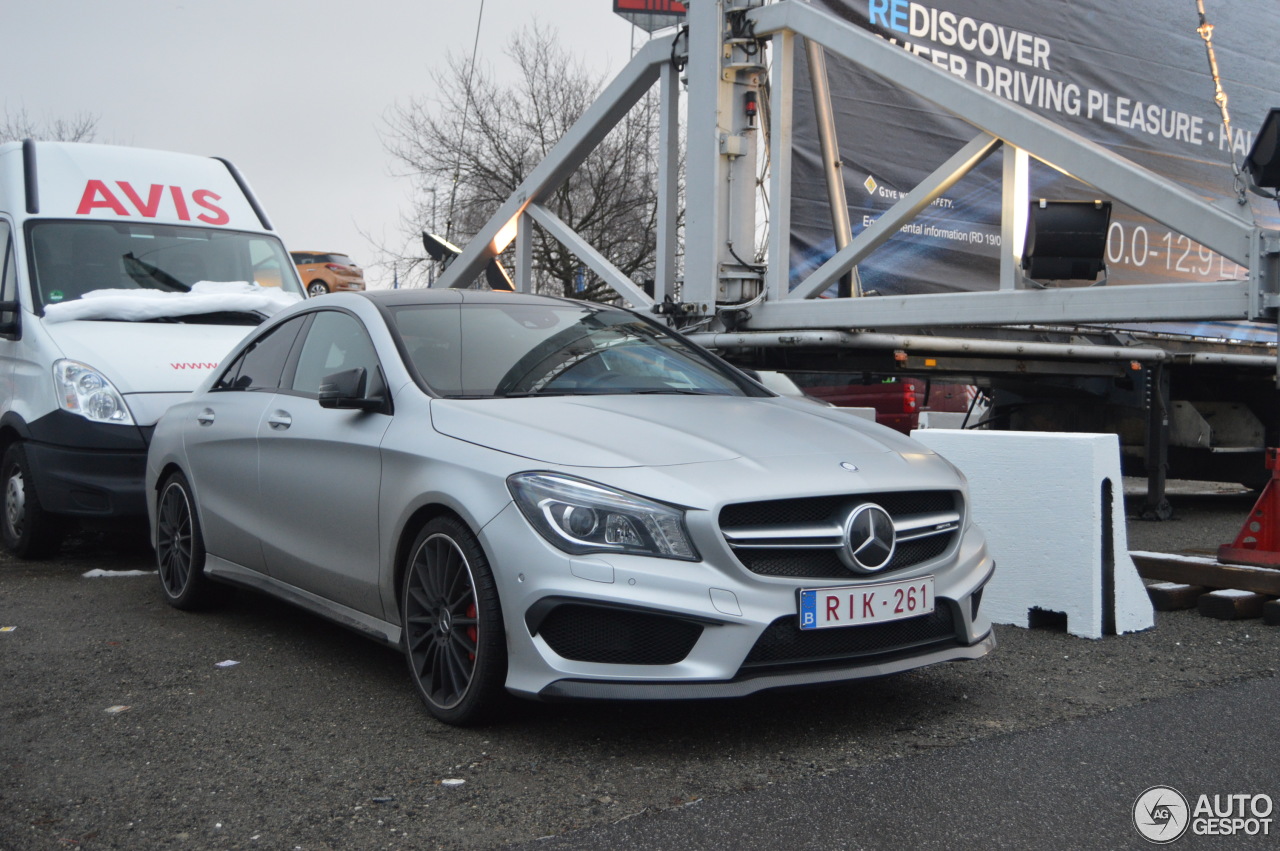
<point>580,517</point>
<point>83,390</point>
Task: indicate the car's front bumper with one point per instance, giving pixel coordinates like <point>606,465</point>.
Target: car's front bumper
<point>617,626</point>
<point>751,683</point>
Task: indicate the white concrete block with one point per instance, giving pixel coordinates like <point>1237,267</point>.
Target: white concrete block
<point>941,419</point>
<point>861,413</point>
<point>1052,506</point>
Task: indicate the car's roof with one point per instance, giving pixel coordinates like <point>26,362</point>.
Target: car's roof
<point>313,251</point>
<point>447,295</point>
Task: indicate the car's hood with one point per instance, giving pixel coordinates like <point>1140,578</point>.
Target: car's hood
<point>657,430</point>
<point>147,357</point>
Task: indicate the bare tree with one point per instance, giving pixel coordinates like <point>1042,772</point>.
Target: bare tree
<point>19,124</point>
<point>471,145</point>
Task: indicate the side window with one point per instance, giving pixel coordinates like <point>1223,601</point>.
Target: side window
<point>261,366</point>
<point>336,342</point>
<point>9,281</point>
<point>432,336</point>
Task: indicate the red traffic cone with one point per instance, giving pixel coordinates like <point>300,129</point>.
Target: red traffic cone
<point>1258,543</point>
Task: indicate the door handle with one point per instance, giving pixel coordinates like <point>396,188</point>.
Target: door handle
<point>205,417</point>
<point>280,420</point>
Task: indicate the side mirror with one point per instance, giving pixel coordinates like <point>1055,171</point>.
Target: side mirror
<point>9,325</point>
<point>346,390</point>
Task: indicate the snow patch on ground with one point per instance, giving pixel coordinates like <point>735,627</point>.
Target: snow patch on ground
<point>98,573</point>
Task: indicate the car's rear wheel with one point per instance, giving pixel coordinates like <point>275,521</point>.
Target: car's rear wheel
<point>316,288</point>
<point>454,640</point>
<point>180,553</point>
<point>28,530</point>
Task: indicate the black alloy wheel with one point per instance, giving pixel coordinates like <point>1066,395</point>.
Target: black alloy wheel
<point>180,553</point>
<point>454,640</point>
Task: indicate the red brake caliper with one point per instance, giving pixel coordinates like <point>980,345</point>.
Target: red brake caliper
<point>471,630</point>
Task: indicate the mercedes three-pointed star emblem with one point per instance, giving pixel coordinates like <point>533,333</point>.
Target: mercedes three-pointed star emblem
<point>868,539</point>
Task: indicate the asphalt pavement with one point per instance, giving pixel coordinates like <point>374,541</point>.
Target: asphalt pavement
<point>1073,785</point>
<point>125,724</point>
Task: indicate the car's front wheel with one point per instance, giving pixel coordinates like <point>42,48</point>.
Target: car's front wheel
<point>316,288</point>
<point>454,640</point>
<point>28,530</point>
<point>180,553</point>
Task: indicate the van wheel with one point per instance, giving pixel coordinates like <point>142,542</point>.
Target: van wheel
<point>316,288</point>
<point>28,530</point>
<point>180,553</point>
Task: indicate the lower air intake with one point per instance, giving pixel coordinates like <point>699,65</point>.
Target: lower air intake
<point>617,637</point>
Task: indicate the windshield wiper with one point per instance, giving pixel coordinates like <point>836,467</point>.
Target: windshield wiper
<point>524,394</point>
<point>217,317</point>
<point>141,271</point>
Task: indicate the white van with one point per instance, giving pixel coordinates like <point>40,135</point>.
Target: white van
<point>127,275</point>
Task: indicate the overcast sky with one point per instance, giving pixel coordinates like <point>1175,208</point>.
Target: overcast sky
<point>292,92</point>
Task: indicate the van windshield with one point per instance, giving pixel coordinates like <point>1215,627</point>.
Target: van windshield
<point>70,259</point>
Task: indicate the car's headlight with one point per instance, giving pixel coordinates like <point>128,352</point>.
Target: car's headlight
<point>583,517</point>
<point>85,391</point>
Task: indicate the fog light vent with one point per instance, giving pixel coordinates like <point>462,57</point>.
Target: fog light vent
<point>613,636</point>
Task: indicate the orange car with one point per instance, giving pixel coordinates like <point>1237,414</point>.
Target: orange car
<point>324,272</point>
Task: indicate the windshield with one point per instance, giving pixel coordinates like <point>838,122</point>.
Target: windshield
<point>70,259</point>
<point>486,350</point>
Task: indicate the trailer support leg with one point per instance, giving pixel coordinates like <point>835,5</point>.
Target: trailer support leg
<point>1157,506</point>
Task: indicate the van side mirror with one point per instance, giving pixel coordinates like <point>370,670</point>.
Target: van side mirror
<point>9,325</point>
<point>346,390</point>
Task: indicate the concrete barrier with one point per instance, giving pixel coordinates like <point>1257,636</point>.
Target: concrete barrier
<point>1052,506</point>
<point>942,419</point>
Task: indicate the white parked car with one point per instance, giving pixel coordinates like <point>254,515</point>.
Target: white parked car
<point>560,499</point>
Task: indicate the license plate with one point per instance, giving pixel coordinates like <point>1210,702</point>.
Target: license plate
<point>853,605</point>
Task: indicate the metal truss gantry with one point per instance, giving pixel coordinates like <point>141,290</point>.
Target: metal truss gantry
<point>725,49</point>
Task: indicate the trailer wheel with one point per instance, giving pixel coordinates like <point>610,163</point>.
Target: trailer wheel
<point>29,532</point>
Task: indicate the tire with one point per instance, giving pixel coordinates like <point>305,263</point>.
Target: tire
<point>316,288</point>
<point>28,531</point>
<point>454,640</point>
<point>180,553</point>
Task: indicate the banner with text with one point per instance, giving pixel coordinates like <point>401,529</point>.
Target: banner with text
<point>1132,76</point>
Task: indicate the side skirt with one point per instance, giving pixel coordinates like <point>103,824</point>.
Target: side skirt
<point>375,628</point>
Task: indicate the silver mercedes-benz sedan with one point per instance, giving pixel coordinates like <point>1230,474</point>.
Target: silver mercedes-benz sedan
<point>560,499</point>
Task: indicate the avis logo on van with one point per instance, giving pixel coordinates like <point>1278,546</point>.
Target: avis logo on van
<point>97,195</point>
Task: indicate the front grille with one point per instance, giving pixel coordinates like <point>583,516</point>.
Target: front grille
<point>817,522</point>
<point>816,508</point>
<point>921,549</point>
<point>784,643</point>
<point>806,564</point>
<point>616,636</point>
